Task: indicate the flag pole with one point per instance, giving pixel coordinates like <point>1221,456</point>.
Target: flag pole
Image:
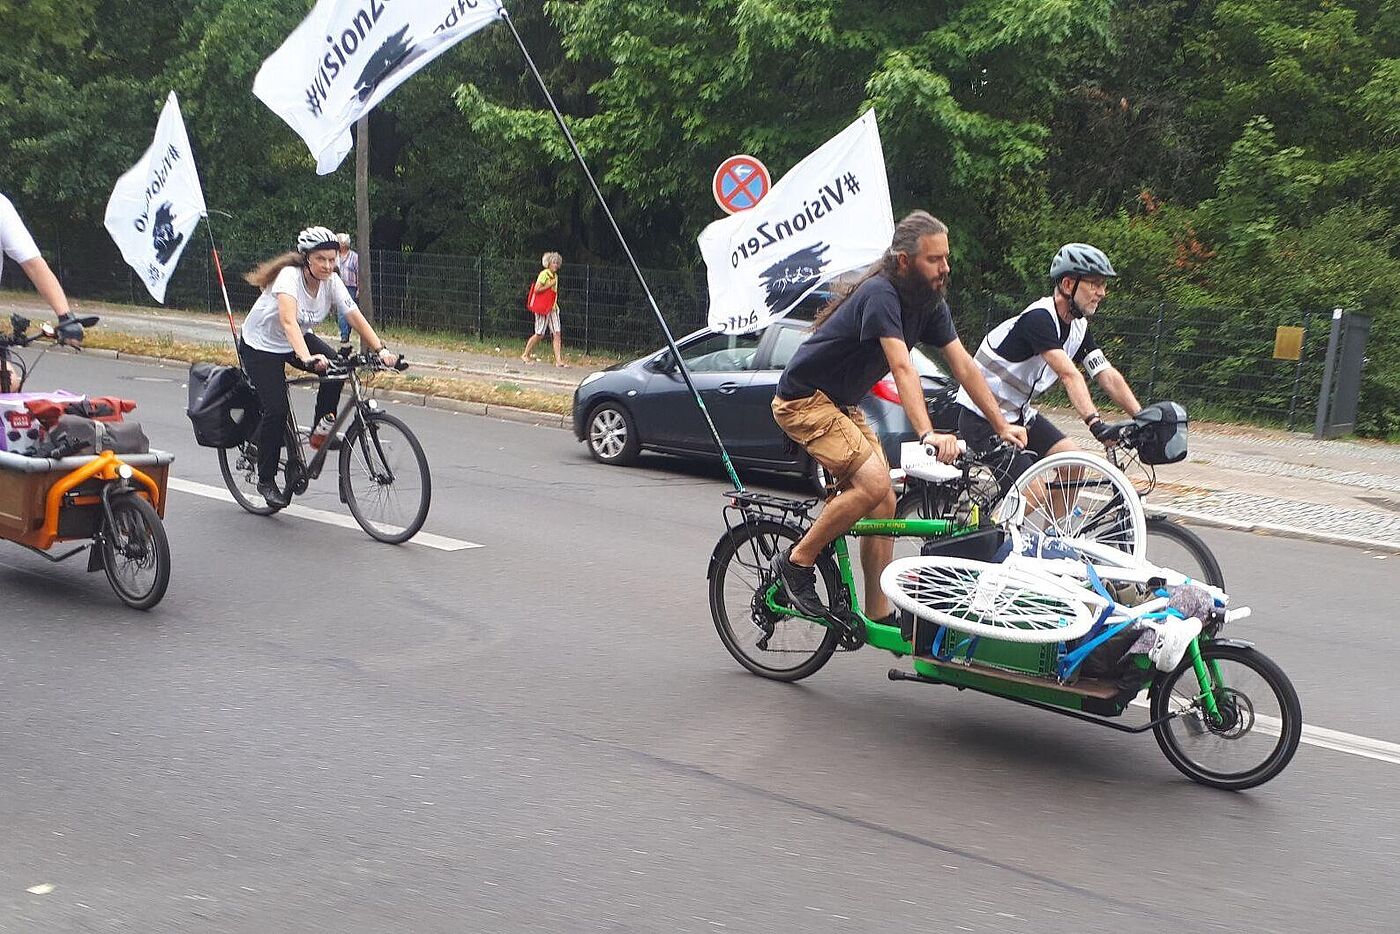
<point>646,289</point>
<point>219,269</point>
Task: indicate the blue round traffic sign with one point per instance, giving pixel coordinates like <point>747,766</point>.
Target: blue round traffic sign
<point>740,183</point>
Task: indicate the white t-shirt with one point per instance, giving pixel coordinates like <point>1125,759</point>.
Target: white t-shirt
<point>262,329</point>
<point>15,240</point>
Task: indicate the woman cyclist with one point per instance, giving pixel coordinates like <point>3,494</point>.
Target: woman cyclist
<point>300,289</point>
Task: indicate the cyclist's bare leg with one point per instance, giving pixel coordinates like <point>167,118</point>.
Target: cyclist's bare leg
<point>1036,494</point>
<point>864,492</point>
<point>876,553</point>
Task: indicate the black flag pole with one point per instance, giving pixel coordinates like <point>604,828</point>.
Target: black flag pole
<point>646,289</point>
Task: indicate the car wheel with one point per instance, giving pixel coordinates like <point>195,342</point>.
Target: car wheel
<point>612,435</point>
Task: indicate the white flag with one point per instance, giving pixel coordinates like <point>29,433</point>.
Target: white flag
<point>348,55</point>
<point>157,204</point>
<point>829,215</point>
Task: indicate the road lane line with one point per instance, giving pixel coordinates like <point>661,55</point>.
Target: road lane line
<point>1323,738</point>
<point>426,539</point>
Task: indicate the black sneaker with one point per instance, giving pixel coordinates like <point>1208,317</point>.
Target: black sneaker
<point>275,497</point>
<point>800,585</point>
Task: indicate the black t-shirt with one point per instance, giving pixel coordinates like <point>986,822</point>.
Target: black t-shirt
<point>1037,331</point>
<point>844,358</point>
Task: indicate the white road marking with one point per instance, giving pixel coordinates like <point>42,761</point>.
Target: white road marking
<point>1336,740</point>
<point>426,539</point>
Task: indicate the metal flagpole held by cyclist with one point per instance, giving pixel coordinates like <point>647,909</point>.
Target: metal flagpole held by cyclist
<point>627,251</point>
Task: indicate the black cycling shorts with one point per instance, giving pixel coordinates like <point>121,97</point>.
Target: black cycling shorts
<point>1041,436</point>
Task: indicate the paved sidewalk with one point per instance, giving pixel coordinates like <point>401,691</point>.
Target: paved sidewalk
<point>1236,477</point>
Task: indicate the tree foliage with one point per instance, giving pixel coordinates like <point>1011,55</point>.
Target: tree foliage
<point>1238,153</point>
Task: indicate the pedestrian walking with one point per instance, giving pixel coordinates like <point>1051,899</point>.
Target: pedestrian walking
<point>544,302</point>
<point>348,262</point>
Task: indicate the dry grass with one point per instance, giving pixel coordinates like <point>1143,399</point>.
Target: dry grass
<point>463,390</point>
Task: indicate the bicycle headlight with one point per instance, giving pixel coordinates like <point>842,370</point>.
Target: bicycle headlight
<point>589,378</point>
<point>125,472</point>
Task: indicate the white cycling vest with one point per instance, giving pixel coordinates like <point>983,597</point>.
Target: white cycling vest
<point>1015,384</point>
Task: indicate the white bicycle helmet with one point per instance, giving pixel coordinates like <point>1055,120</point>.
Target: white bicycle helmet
<point>1080,259</point>
<point>317,238</point>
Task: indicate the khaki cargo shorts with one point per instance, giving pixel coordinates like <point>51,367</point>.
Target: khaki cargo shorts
<point>835,436</point>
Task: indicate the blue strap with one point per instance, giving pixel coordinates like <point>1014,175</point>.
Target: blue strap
<point>1095,629</point>
<point>938,642</point>
<point>1097,584</point>
<point>1072,660</point>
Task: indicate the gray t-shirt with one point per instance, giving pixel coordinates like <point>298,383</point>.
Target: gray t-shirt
<point>844,359</point>
<point>262,329</point>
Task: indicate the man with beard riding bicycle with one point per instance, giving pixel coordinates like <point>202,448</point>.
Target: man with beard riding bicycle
<point>855,340</point>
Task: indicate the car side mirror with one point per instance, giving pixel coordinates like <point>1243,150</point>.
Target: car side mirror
<point>665,363</point>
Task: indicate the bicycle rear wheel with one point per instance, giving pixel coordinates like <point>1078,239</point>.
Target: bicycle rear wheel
<point>1078,496</point>
<point>136,553</point>
<point>996,601</point>
<point>771,645</point>
<point>239,467</point>
<point>1257,729</point>
<point>1172,545</point>
<point>384,478</point>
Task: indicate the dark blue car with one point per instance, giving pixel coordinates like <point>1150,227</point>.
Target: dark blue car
<point>645,405</point>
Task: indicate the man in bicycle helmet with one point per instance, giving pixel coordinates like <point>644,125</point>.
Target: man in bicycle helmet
<point>1048,341</point>
<point>300,289</point>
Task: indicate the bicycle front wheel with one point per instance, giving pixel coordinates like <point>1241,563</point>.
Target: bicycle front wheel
<point>1256,727</point>
<point>136,553</point>
<point>769,644</point>
<point>1076,496</point>
<point>1172,545</point>
<point>384,478</point>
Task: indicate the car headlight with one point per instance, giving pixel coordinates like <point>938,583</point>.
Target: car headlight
<point>590,378</point>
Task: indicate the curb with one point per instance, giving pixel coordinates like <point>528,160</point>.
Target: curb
<point>564,422</point>
<point>1272,528</point>
<point>490,410</point>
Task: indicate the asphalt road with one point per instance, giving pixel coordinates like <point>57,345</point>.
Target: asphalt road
<point>316,732</point>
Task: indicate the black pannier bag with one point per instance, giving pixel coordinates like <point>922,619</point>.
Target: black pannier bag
<point>1161,433</point>
<point>223,405</point>
<point>74,434</point>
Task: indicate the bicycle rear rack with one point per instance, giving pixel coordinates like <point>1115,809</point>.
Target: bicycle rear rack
<point>747,506</point>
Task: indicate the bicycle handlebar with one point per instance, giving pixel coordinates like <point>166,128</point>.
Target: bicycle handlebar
<point>340,366</point>
<point>19,327</point>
